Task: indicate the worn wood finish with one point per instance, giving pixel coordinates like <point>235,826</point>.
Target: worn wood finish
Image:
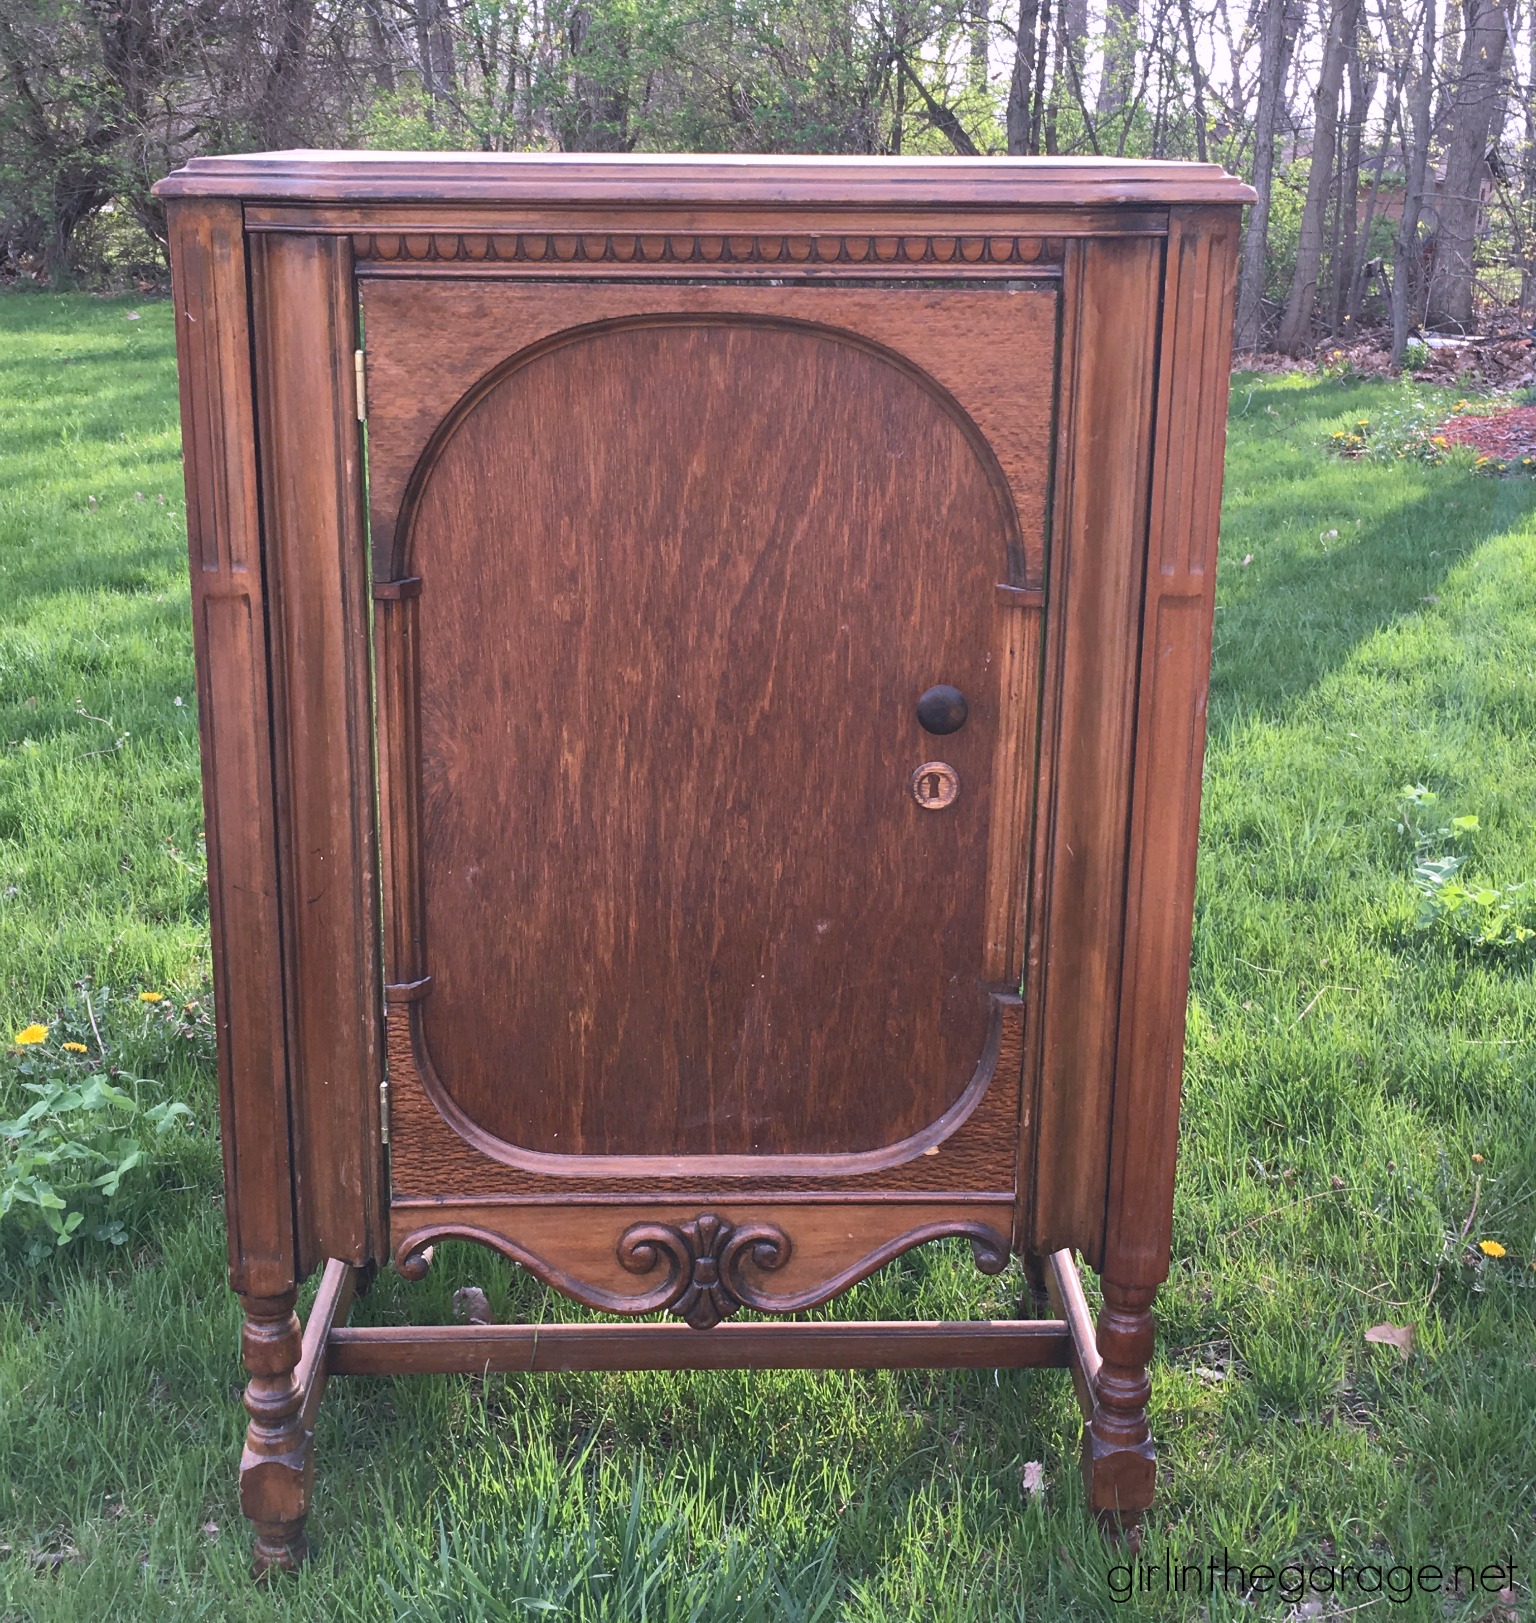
<point>213,346</point>
<point>793,243</point>
<point>375,181</point>
<point>776,1257</point>
<point>318,586</point>
<point>990,349</point>
<point>686,478</point>
<point>704,253</point>
<point>548,1348</point>
<point>1119,1463</point>
<point>971,1150</point>
<point>277,1468</point>
<point>339,1283</point>
<point>1177,617</point>
<point>1091,660</point>
<point>722,655</point>
<point>1063,1290</point>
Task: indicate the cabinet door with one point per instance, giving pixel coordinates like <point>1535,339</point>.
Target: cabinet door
<point>689,880</point>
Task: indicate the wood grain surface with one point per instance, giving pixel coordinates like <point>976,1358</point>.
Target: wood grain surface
<point>686,477</point>
<point>819,1247</point>
<point>1199,291</point>
<point>444,178</point>
<point>213,346</point>
<point>432,340</point>
<point>682,584</point>
<point>437,1152</point>
<point>541,1348</point>
<point>1093,633</point>
<point>318,589</point>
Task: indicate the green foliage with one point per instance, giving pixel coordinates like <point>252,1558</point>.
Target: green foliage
<point>86,1122</point>
<point>1424,825</point>
<point>1287,199</point>
<point>1412,425</point>
<point>690,76</point>
<point>1404,426</point>
<point>64,1158</point>
<point>1497,921</point>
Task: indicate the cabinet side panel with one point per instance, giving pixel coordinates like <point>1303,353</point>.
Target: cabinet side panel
<point>1111,290</point>
<point>317,575</point>
<point>1170,737</point>
<point>229,635</point>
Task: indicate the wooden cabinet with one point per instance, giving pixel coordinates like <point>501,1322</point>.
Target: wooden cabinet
<point>702,671</point>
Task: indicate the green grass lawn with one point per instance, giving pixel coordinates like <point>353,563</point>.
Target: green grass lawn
<point>1360,1111</point>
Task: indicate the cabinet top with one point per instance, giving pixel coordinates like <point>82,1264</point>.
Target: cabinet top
<point>460,177</point>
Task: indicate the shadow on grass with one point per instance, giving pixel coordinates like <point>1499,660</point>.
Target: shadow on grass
<point>1309,600</point>
<point>148,574</point>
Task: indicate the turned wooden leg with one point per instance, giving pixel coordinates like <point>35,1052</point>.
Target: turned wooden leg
<point>1119,1466</point>
<point>276,1469</point>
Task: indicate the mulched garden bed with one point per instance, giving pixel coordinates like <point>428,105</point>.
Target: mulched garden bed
<point>1507,435</point>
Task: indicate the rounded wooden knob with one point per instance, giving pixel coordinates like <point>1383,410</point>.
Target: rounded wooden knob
<point>942,709</point>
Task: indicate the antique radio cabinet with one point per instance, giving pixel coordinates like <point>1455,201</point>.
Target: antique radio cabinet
<point>702,670</point>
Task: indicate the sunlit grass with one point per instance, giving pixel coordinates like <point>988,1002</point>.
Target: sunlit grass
<point>99,763</point>
<point>1342,1077</point>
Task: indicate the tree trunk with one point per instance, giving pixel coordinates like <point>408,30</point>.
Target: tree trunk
<point>283,103</point>
<point>1038,98</point>
<point>1362,92</point>
<point>1527,196</point>
<point>434,42</point>
<point>1276,40</point>
<point>1405,262</point>
<point>1197,78</point>
<point>598,120</point>
<point>1121,21</point>
<point>1296,325</point>
<point>378,40</point>
<point>1363,257</point>
<point>1073,21</point>
<point>1060,69</point>
<point>980,42</point>
<point>1021,86</point>
<point>1477,96</point>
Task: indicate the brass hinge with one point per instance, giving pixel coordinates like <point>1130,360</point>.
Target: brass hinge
<point>362,386</point>
<point>384,1111</point>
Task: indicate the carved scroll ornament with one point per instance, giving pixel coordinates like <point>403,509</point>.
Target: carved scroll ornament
<point>704,1283</point>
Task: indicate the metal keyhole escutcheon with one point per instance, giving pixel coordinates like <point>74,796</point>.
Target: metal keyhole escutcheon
<point>935,785</point>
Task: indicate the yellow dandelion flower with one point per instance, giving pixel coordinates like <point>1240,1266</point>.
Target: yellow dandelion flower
<point>1491,1248</point>
<point>151,997</point>
<point>31,1035</point>
<point>75,1048</point>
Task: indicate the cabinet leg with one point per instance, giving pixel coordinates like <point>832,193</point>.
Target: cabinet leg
<point>1119,1465</point>
<point>276,1469</point>
<point>1038,1301</point>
